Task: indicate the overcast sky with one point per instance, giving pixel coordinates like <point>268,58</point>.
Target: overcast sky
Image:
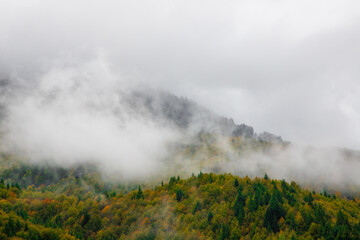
<point>288,67</point>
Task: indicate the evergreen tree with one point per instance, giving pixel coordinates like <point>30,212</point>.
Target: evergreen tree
<point>172,181</point>
<point>236,183</point>
<point>259,201</point>
<point>179,195</point>
<point>293,237</point>
<point>225,232</point>
<point>139,194</point>
<point>309,199</point>
<point>267,197</point>
<point>239,207</point>
<point>211,180</point>
<point>10,228</point>
<point>290,220</point>
<point>210,216</point>
<point>197,207</point>
<point>266,177</point>
<point>252,204</point>
<point>273,213</point>
<point>342,226</point>
<point>319,213</point>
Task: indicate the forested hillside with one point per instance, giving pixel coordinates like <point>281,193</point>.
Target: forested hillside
<point>204,206</point>
<point>184,120</point>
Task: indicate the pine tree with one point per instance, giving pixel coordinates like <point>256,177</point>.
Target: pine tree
<point>267,197</point>
<point>259,201</point>
<point>10,228</point>
<point>225,232</point>
<point>309,199</point>
<point>139,194</point>
<point>239,207</point>
<point>266,177</point>
<point>197,207</point>
<point>274,212</point>
<point>179,195</point>
<point>210,216</point>
<point>211,180</point>
<point>252,204</point>
<point>291,221</point>
<point>319,213</point>
<point>342,226</point>
<point>236,183</point>
<point>293,237</point>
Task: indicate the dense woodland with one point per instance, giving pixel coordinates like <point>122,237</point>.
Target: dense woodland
<point>46,201</point>
<point>205,206</point>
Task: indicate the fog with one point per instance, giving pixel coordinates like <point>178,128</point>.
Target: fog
<point>68,116</point>
<point>290,68</point>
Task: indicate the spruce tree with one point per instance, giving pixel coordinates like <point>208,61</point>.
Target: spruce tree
<point>266,177</point>
<point>179,195</point>
<point>236,183</point>
<point>10,228</point>
<point>252,204</point>
<point>139,194</point>
<point>210,216</point>
<point>239,207</point>
<point>342,226</point>
<point>225,232</point>
<point>274,212</point>
<point>197,207</point>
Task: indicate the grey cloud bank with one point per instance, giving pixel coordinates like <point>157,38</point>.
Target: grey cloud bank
<point>288,68</point>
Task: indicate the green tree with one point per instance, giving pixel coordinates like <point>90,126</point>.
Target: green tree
<point>252,204</point>
<point>225,232</point>
<point>197,207</point>
<point>10,228</point>
<point>273,212</point>
<point>239,207</point>
<point>342,226</point>
<point>179,195</point>
<point>266,177</point>
<point>139,194</point>
<point>210,217</point>
<point>236,183</point>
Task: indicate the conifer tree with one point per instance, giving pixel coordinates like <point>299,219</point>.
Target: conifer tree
<point>274,212</point>
<point>225,232</point>
<point>342,226</point>
<point>197,207</point>
<point>179,195</point>
<point>239,207</point>
<point>10,227</point>
<point>139,194</point>
<point>210,216</point>
<point>252,204</point>
<point>266,177</point>
<point>236,183</point>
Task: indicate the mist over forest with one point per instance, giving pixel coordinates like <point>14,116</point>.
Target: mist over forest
<point>179,120</point>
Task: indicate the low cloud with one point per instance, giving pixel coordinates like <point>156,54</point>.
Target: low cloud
<point>75,115</point>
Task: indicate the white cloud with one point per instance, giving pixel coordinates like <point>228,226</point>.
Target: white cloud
<point>283,66</point>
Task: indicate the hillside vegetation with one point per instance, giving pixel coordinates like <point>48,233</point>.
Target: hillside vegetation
<point>48,201</point>
<point>206,206</point>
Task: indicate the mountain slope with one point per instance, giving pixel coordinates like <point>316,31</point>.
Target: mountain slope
<point>186,114</point>
<point>206,206</point>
